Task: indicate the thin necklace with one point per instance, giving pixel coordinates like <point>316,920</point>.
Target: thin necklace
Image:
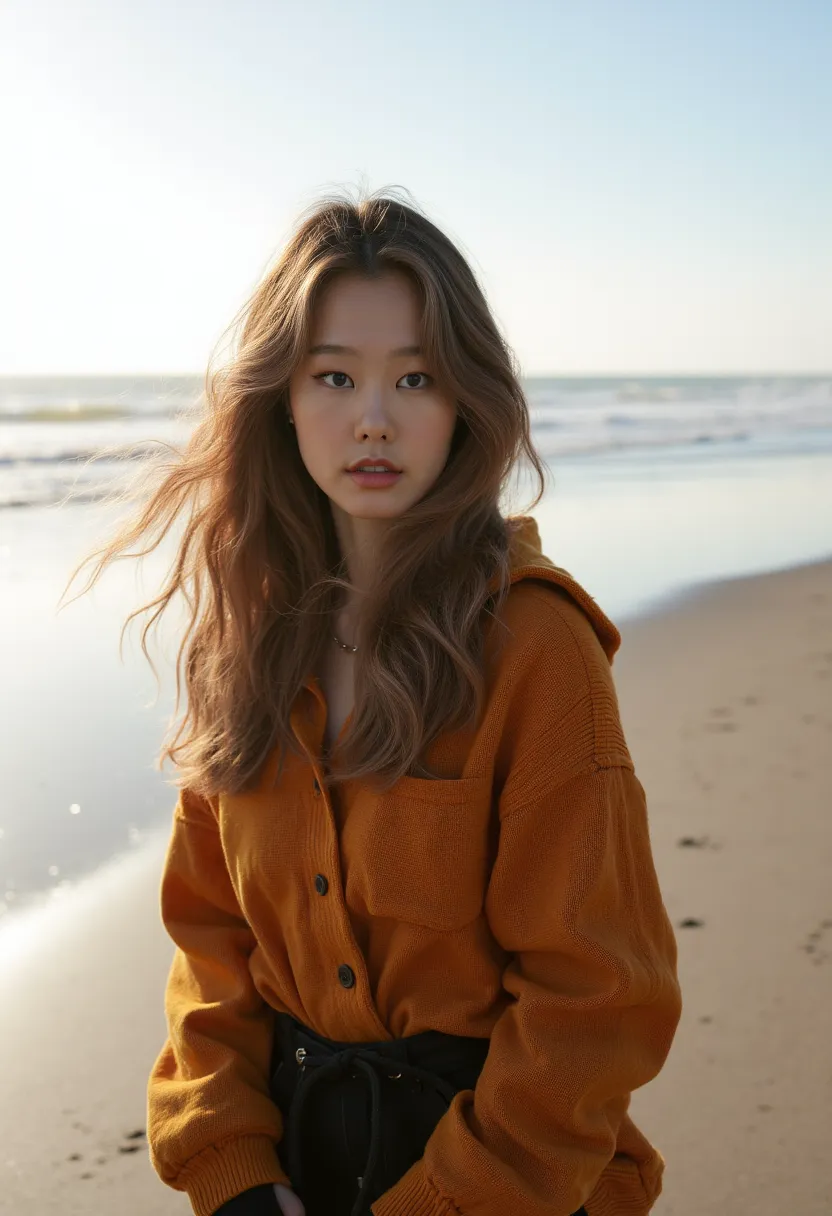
<point>343,645</point>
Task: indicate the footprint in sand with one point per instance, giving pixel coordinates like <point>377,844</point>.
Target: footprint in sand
<point>721,717</point>
<point>812,946</point>
<point>135,1143</point>
<point>824,660</point>
<point>691,922</point>
<point>721,720</point>
<point>697,842</point>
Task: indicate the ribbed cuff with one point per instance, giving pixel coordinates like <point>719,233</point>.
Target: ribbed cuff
<point>413,1195</point>
<point>621,1191</point>
<point>220,1172</point>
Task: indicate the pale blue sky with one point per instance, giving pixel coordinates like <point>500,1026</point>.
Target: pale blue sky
<point>641,186</point>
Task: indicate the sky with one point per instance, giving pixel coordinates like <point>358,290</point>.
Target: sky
<point>639,186</point>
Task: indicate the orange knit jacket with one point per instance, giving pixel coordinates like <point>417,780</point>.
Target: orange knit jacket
<point>516,897</point>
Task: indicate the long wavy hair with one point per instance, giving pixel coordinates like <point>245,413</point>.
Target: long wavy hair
<point>258,561</point>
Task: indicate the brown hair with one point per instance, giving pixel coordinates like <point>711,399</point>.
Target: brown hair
<point>258,561</point>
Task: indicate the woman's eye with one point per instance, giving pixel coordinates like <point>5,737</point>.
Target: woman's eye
<point>415,375</point>
<point>343,376</point>
<point>323,376</point>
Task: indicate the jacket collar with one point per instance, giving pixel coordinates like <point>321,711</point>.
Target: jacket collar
<point>528,561</point>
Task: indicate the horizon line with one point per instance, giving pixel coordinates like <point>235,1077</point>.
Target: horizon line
<point>549,375</point>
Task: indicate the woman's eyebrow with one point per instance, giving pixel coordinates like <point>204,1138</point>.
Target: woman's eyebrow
<point>332,348</point>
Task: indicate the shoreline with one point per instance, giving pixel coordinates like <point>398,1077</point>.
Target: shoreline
<point>726,699</point>
<point>82,783</point>
<point>38,904</point>
<point>687,595</point>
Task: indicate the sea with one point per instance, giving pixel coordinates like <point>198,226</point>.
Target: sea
<point>655,485</point>
<point>51,426</point>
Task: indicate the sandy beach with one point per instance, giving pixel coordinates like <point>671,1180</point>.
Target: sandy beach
<point>727,704</point>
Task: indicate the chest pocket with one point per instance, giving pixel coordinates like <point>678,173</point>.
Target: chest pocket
<point>423,850</point>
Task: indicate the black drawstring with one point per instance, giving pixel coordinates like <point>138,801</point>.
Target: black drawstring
<point>332,1066</point>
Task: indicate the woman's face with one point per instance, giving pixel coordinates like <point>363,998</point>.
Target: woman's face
<point>373,397</point>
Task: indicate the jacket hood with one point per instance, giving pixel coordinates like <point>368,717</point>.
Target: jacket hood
<point>528,561</point>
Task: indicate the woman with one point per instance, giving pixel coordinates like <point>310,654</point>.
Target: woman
<point>421,954</point>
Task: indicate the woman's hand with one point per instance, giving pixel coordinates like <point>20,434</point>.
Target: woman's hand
<point>289,1202</point>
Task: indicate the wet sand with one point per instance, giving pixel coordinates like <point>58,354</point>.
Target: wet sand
<point>727,705</point>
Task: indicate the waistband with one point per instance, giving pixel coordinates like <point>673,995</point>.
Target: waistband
<point>426,1058</point>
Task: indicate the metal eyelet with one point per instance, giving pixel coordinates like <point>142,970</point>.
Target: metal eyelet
<point>394,1076</point>
<point>300,1055</point>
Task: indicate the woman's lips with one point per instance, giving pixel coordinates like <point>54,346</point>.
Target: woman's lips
<point>374,481</point>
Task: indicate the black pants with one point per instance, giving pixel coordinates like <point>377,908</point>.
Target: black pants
<point>358,1115</point>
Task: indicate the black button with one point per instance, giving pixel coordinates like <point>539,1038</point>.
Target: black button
<point>321,884</point>
<point>346,976</point>
<point>316,787</point>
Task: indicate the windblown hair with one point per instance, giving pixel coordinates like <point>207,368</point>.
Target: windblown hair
<point>258,562</point>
